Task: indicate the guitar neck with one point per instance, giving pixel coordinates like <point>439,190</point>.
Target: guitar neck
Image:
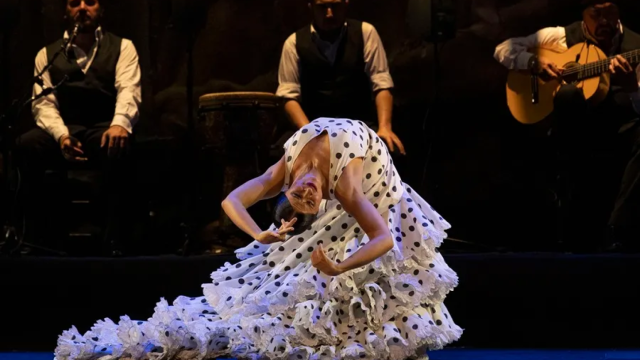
<point>597,68</point>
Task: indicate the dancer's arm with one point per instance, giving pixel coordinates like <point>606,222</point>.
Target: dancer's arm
<point>349,193</point>
<point>263,187</point>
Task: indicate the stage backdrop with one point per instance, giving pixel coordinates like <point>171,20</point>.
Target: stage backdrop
<point>486,173</point>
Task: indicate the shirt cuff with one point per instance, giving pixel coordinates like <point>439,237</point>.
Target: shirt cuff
<point>381,81</point>
<point>522,60</point>
<point>289,91</point>
<point>123,121</point>
<point>58,132</point>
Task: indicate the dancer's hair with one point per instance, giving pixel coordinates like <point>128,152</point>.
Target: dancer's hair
<point>284,210</point>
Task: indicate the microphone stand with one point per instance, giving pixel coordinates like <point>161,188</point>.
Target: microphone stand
<point>12,240</point>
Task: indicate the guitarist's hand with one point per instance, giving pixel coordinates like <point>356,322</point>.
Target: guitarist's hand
<point>621,68</point>
<point>549,68</point>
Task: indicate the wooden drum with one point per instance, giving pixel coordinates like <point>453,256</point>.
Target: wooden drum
<point>236,132</point>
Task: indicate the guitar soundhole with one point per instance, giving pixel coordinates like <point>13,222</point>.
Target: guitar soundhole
<point>570,74</point>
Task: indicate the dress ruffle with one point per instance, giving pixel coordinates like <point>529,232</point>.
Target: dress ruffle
<point>272,305</point>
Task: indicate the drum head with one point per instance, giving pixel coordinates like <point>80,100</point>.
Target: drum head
<point>231,99</point>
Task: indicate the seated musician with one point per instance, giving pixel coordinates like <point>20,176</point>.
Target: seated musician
<point>337,67</point>
<point>580,126</point>
<point>89,119</point>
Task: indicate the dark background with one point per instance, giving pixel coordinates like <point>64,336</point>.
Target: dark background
<point>488,175</point>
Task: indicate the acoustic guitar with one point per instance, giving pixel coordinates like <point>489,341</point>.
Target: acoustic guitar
<point>530,97</point>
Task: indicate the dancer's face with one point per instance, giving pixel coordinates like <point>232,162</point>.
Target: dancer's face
<point>305,194</point>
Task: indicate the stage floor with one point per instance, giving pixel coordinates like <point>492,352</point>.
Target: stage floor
<point>458,354</point>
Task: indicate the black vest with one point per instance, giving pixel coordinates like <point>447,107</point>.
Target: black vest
<point>87,99</point>
<point>616,107</point>
<point>341,90</point>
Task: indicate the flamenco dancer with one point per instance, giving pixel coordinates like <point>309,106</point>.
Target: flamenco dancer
<point>351,271</point>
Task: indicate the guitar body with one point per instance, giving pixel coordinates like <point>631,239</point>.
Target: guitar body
<point>519,92</point>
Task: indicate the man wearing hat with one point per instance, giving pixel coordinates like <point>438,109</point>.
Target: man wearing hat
<point>582,129</point>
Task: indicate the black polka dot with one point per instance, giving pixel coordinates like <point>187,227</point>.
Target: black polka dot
<point>304,131</point>
<point>376,194</point>
<point>346,144</point>
<point>345,225</point>
<point>416,272</point>
<point>310,249</point>
<point>334,135</point>
<point>374,159</point>
<point>338,156</point>
<point>415,327</point>
<point>327,228</point>
<point>352,155</point>
<point>379,171</point>
<point>334,238</point>
<point>289,158</point>
<point>281,248</point>
<point>368,176</point>
<point>241,281</point>
<point>272,264</point>
<point>298,255</point>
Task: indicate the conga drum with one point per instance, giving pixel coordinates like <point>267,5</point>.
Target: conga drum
<point>236,130</point>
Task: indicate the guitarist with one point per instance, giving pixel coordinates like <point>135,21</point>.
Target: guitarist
<point>580,128</point>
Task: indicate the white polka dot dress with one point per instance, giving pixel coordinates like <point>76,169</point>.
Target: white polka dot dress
<point>273,304</point>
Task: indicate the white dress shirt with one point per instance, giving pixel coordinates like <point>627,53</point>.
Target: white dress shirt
<point>375,60</point>
<point>127,83</point>
<point>514,53</point>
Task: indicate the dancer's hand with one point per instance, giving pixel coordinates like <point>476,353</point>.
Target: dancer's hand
<point>320,260</point>
<point>270,237</point>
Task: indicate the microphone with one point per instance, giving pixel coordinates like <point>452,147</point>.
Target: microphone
<point>533,67</point>
<point>76,28</point>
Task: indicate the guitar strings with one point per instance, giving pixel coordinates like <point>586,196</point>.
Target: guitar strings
<point>604,63</point>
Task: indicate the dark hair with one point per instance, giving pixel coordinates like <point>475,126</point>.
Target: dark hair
<point>284,210</point>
